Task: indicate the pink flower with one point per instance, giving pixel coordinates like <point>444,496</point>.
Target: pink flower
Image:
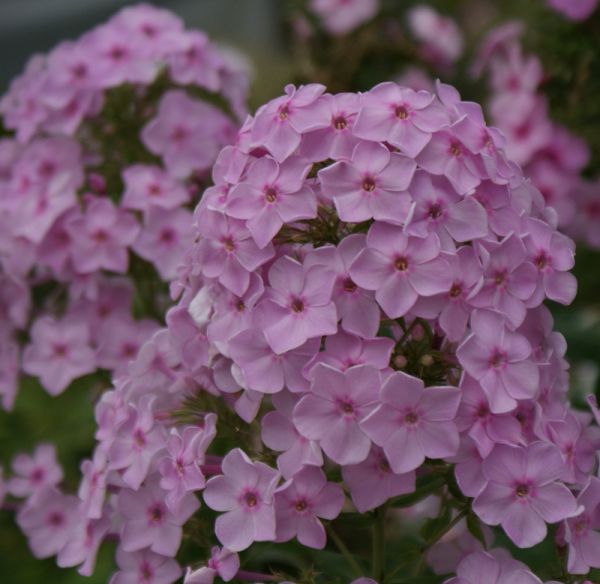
<point>148,522</point>
<point>59,353</point>
<point>331,413</point>
<point>439,209</point>
<point>400,268</point>
<point>164,237</point>
<point>552,254</point>
<point>35,473</point>
<point>412,422</point>
<point>279,433</point>
<point>439,36</point>
<point>499,360</point>
<point>337,140</point>
<point>301,501</point>
<point>145,566</point>
<point>136,442</point>
<point>580,532</point>
<point>101,236</point>
<point>372,185</point>
<point>372,482</point>
<point>279,124</point>
<point>187,133</point>
<point>355,306</point>
<point>272,194</point>
<point>245,491</point>
<point>342,16</point>
<point>522,492</point>
<point>149,186</point>
<point>222,563</point>
<point>509,280</point>
<point>405,118</point>
<point>47,520</point>
<point>180,469</point>
<point>228,251</point>
<point>264,370</point>
<point>82,547</point>
<point>451,153</point>
<point>298,306</point>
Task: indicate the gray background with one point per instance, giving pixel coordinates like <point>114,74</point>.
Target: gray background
<point>29,26</point>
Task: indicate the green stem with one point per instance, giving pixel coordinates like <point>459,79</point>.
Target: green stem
<point>433,540</point>
<point>341,546</point>
<point>379,543</point>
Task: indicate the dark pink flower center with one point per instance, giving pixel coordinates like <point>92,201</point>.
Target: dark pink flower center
<point>456,149</point>
<point>100,236</point>
<point>149,30</point>
<point>297,305</point>
<point>411,418</point>
<point>498,359</point>
<point>284,112</point>
<point>348,285</point>
<point>483,411</point>
<point>250,499</point>
<point>581,525</point>
<point>139,437</point>
<point>368,184</point>
<point>167,236</point>
<point>401,112</point>
<point>228,244</point>
<point>500,278</point>
<point>346,407</point>
<point>240,306</point>
<point>456,290</point>
<point>270,194</point>
<point>522,490</point>
<point>340,123</point>
<point>79,71</point>
<point>156,512</point>
<point>435,211</point>
<point>542,260</point>
<point>301,505</point>
<point>179,134</point>
<point>56,519</point>
<point>154,190</point>
<point>37,476</point>
<point>146,572</point>
<point>129,350</point>
<point>117,53</point>
<point>401,264</point>
<point>60,350</point>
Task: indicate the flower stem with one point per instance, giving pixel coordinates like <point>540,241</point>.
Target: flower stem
<point>379,543</point>
<point>341,546</point>
<point>436,537</point>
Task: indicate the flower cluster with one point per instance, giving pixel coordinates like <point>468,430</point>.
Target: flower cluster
<point>551,155</point>
<point>361,308</point>
<point>114,135</point>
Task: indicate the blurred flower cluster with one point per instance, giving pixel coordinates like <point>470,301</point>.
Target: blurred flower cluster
<point>114,135</point>
<point>360,322</point>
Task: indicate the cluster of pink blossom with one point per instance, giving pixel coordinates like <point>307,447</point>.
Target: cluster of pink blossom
<point>550,154</point>
<point>114,135</point>
<point>361,308</point>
